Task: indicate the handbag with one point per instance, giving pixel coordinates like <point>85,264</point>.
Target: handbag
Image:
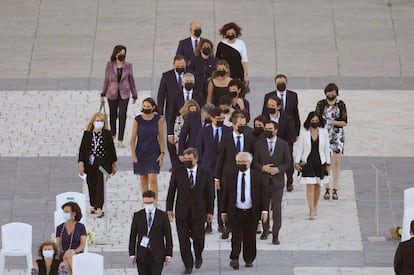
<point>102,110</point>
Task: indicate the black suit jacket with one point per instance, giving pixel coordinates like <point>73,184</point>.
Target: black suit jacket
<point>199,200</point>
<point>230,195</point>
<point>161,244</point>
<point>86,148</point>
<point>226,160</point>
<point>403,260</point>
<point>185,48</point>
<point>281,158</point>
<point>286,128</point>
<point>189,132</point>
<point>167,91</point>
<point>291,107</point>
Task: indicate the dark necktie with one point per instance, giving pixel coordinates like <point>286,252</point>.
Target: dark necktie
<point>191,179</point>
<point>243,187</point>
<point>282,98</point>
<point>149,220</point>
<point>238,144</point>
<point>195,44</point>
<point>216,136</point>
<point>270,147</point>
<point>187,96</point>
<point>179,81</point>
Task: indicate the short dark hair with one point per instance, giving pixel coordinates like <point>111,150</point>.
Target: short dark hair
<point>235,115</point>
<point>275,98</point>
<point>230,26</point>
<point>117,49</point>
<point>281,76</point>
<point>306,124</point>
<point>331,87</point>
<point>191,151</point>
<point>236,82</point>
<point>151,101</point>
<point>225,100</point>
<point>216,111</point>
<point>47,243</point>
<point>74,207</point>
<point>271,122</point>
<point>148,194</point>
<point>260,118</point>
<point>179,57</point>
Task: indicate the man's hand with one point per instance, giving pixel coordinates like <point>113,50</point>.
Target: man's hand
<point>170,215</point>
<point>181,158</point>
<point>217,184</point>
<point>264,217</point>
<point>132,260</point>
<point>209,217</point>
<point>224,217</point>
<point>167,260</point>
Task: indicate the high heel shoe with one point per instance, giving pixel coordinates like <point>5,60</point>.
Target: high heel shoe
<point>334,194</point>
<point>99,213</point>
<point>327,195</point>
<point>121,144</point>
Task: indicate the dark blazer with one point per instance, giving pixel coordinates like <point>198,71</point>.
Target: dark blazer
<point>403,260</point>
<point>226,160</point>
<point>207,148</point>
<point>86,148</point>
<point>167,91</point>
<point>291,107</point>
<point>176,104</point>
<point>286,128</point>
<point>257,195</point>
<point>281,158</point>
<point>161,244</point>
<point>185,48</point>
<point>126,86</point>
<point>199,200</point>
<point>189,132</point>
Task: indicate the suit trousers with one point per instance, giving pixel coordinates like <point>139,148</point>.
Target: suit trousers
<point>187,229</point>
<point>243,231</point>
<point>219,220</point>
<point>149,267</point>
<point>274,196</point>
<point>290,170</point>
<point>118,109</point>
<point>95,181</point>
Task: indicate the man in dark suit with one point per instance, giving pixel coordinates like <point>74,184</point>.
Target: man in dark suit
<point>150,240</point>
<point>208,147</point>
<point>170,85</point>
<point>244,205</point>
<point>272,157</point>
<point>285,130</point>
<point>192,126</point>
<point>404,256</point>
<point>187,46</point>
<point>231,144</point>
<point>194,205</point>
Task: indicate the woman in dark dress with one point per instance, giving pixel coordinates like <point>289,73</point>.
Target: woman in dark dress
<point>70,235</point>
<point>147,145</point>
<point>312,158</point>
<point>203,65</point>
<point>97,156</point>
<point>218,83</point>
<point>49,262</point>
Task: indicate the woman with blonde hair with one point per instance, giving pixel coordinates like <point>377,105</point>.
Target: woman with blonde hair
<point>218,83</point>
<point>97,156</point>
<point>188,107</point>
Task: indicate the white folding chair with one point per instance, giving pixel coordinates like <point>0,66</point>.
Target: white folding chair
<point>87,263</point>
<point>77,197</point>
<point>407,218</point>
<point>409,198</point>
<point>16,239</point>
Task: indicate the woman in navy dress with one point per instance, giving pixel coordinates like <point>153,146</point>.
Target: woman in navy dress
<point>147,145</point>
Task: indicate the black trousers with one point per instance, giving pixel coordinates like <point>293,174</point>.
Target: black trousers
<point>118,109</point>
<point>95,181</point>
<point>290,170</point>
<point>149,267</point>
<point>187,229</point>
<point>274,196</point>
<point>219,220</point>
<point>243,232</point>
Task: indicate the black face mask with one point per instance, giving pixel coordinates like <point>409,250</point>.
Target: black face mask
<point>268,134</point>
<point>220,123</point>
<point>226,111</point>
<point>257,131</point>
<point>188,86</point>
<point>188,164</point>
<point>281,87</point>
<point>271,111</point>
<point>206,51</point>
<point>242,167</point>
<point>314,125</point>
<point>331,98</point>
<point>221,73</point>
<point>241,129</point>
<point>180,70</point>
<point>230,36</point>
<point>207,120</point>
<point>121,57</point>
<point>146,111</point>
<point>233,94</point>
<point>197,32</point>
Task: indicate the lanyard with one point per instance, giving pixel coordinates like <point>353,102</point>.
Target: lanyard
<point>71,236</point>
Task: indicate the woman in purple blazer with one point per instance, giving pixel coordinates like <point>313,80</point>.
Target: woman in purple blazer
<point>118,86</point>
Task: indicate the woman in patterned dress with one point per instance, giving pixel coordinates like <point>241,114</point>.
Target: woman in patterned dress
<point>334,112</point>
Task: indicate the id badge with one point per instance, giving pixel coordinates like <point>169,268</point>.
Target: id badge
<point>144,241</point>
<point>91,159</point>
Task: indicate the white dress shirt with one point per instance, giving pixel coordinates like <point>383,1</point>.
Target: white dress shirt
<point>241,140</point>
<point>185,93</point>
<point>247,204</point>
<point>194,169</point>
<point>220,131</point>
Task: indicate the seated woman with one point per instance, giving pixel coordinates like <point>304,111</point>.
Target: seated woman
<point>49,262</point>
<point>70,235</point>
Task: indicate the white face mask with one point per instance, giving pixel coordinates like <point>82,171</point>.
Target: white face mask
<point>67,216</point>
<point>99,124</point>
<point>149,207</point>
<point>48,253</point>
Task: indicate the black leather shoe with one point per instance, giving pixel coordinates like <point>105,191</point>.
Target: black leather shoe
<point>188,270</point>
<point>209,229</point>
<point>234,264</point>
<point>225,234</point>
<point>289,187</point>
<point>198,262</point>
<point>249,264</point>
<point>264,235</point>
<point>275,240</point>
